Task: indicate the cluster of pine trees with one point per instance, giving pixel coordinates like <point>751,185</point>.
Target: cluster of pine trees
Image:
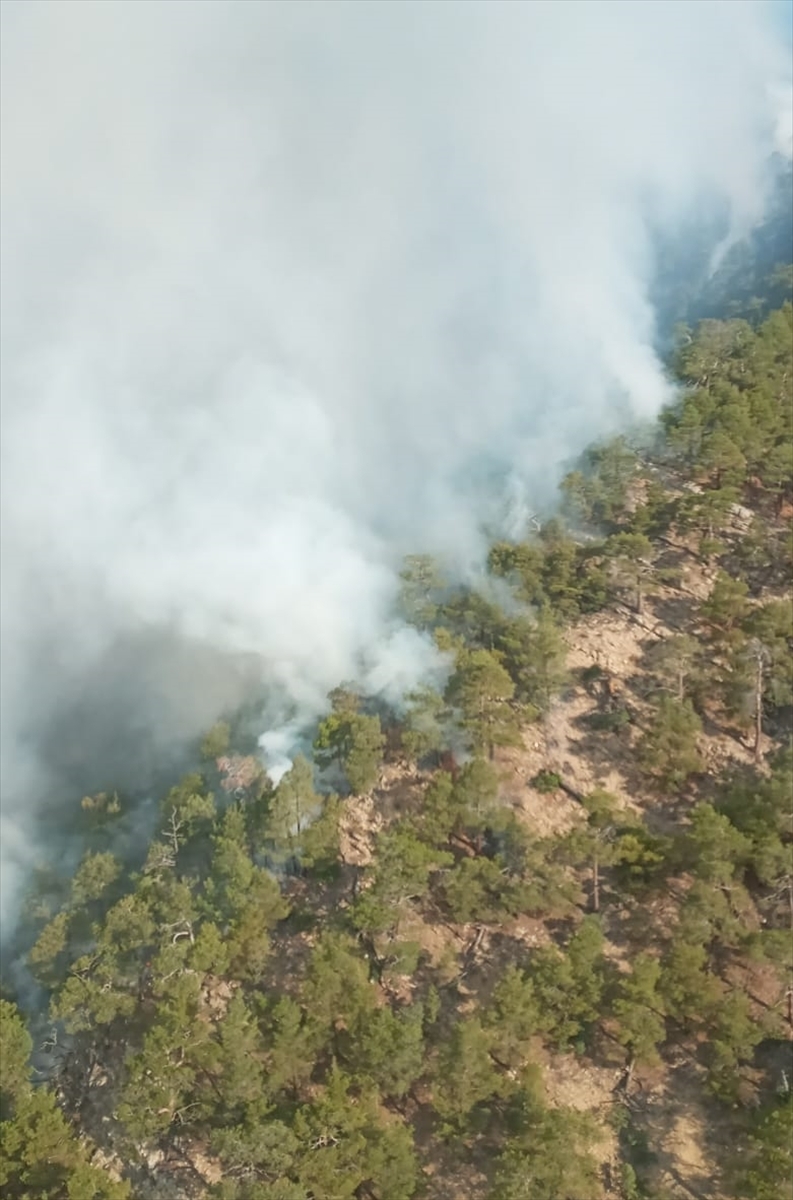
<point>243,994</point>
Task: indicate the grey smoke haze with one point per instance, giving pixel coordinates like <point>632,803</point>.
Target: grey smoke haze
<point>285,287</point>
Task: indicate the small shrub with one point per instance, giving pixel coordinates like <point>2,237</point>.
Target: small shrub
<point>610,722</point>
<point>546,781</point>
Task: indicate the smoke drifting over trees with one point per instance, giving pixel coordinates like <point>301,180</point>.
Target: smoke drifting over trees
<point>290,290</point>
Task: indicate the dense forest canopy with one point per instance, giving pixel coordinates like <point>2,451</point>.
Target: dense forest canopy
<point>368,979</point>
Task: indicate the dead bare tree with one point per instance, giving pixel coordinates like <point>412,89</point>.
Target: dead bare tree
<point>173,829</point>
<point>761,658</point>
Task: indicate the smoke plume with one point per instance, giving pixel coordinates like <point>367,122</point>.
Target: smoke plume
<point>289,290</point>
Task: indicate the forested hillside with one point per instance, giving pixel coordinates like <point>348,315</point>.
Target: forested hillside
<point>749,279</point>
<point>524,938</point>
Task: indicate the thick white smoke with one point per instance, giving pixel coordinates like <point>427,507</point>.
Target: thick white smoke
<point>286,286</point>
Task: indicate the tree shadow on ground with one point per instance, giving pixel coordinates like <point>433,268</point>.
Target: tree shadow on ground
<point>676,611</point>
<point>689,1134</point>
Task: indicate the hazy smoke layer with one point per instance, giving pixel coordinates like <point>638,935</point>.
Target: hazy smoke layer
<point>291,288</point>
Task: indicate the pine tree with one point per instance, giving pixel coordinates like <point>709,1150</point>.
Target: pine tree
<point>639,1010</point>
<point>465,1075</point>
<point>351,739</point>
<point>482,690</point>
<point>669,749</point>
